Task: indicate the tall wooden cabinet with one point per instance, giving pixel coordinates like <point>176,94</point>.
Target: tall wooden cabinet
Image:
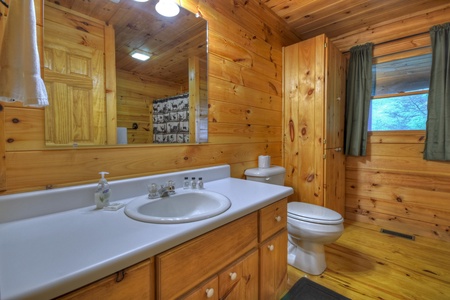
<point>314,104</point>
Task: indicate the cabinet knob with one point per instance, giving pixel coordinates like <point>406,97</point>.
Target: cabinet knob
<point>278,218</point>
<point>209,293</point>
<point>270,247</point>
<point>233,275</point>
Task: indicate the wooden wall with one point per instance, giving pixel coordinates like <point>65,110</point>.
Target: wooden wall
<point>244,82</point>
<point>135,95</point>
<point>393,187</point>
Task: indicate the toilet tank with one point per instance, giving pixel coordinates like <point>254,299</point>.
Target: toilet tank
<point>272,175</point>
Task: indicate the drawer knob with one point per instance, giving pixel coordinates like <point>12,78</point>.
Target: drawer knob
<point>270,247</point>
<point>278,218</point>
<point>209,293</point>
<point>233,275</point>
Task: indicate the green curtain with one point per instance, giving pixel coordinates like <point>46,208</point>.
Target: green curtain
<point>437,143</point>
<point>359,90</point>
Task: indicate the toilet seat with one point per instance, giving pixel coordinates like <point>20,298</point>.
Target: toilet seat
<point>313,213</point>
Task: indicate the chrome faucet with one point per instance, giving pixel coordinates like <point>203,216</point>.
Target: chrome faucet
<point>163,191</point>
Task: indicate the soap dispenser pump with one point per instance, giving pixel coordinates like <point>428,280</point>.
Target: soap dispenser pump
<point>103,192</point>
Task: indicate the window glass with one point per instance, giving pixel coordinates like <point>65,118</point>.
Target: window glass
<point>399,113</point>
<point>400,94</point>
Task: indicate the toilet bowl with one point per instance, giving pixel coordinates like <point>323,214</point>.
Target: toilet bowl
<point>309,226</point>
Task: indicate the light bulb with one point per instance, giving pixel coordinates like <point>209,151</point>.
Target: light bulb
<point>167,8</point>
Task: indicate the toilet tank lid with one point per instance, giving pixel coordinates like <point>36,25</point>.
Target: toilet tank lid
<point>264,172</point>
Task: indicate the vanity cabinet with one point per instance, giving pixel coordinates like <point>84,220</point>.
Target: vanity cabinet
<point>244,259</point>
<point>135,282</point>
<point>314,106</point>
<point>184,267</point>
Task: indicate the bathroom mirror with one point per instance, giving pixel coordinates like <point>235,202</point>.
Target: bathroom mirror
<point>100,95</point>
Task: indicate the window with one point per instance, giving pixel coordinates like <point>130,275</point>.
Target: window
<point>400,94</point>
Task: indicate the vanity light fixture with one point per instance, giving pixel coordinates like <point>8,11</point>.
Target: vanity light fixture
<point>140,55</point>
<point>167,8</point>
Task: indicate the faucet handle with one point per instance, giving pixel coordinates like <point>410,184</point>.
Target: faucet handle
<point>153,191</point>
<point>171,187</point>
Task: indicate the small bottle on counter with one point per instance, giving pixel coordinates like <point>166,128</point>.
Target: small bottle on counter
<point>186,183</point>
<point>200,183</point>
<point>103,192</point>
<point>193,183</point>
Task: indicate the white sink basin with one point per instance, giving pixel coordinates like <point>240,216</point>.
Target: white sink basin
<point>182,207</point>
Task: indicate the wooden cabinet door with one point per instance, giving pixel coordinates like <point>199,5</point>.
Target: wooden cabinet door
<point>334,183</point>
<point>135,282</point>
<point>273,267</point>
<point>74,75</point>
<point>335,97</point>
<point>304,93</point>
<point>240,281</point>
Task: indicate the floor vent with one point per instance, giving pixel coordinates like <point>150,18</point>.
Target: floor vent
<point>399,234</point>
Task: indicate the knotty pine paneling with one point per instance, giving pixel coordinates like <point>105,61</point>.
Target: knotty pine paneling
<point>253,38</point>
<point>398,28</point>
<point>395,188</point>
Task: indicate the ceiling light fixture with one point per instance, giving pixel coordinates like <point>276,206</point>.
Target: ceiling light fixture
<point>141,55</point>
<point>167,8</point>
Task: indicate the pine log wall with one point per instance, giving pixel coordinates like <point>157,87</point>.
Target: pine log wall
<point>244,87</point>
<point>393,186</point>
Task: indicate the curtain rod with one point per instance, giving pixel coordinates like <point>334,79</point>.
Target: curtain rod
<point>4,3</point>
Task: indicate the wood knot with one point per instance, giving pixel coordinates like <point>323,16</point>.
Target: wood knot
<point>310,178</point>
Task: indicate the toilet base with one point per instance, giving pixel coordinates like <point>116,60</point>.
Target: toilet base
<point>307,257</point>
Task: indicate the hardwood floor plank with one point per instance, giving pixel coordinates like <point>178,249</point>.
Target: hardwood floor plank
<point>367,264</point>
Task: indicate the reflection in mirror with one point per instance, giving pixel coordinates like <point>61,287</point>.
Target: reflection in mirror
<point>100,95</point>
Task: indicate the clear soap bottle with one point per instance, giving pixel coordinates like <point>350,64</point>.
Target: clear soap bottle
<point>103,192</point>
<point>186,183</point>
<point>200,183</point>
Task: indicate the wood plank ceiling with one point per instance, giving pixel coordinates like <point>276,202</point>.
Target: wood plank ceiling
<point>340,18</point>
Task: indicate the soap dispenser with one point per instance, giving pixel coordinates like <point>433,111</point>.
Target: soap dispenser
<point>103,192</point>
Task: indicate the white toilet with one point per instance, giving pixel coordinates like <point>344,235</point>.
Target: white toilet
<point>310,226</point>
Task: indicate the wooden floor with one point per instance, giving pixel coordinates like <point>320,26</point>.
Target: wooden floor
<point>367,264</point>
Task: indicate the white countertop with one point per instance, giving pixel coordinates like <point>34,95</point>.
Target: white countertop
<point>45,256</point>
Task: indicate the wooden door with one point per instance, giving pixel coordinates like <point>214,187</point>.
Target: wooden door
<point>74,75</point>
<point>273,267</point>
<point>304,92</point>
<point>334,159</point>
<point>240,281</point>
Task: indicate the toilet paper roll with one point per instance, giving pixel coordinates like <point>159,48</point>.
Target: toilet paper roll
<point>122,135</point>
<point>264,161</point>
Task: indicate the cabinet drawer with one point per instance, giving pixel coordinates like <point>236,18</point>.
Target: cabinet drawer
<point>272,219</point>
<point>185,266</point>
<point>135,282</point>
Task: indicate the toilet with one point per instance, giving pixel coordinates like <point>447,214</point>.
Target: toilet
<point>309,226</point>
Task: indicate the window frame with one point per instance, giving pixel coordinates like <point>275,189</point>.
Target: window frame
<point>388,57</point>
